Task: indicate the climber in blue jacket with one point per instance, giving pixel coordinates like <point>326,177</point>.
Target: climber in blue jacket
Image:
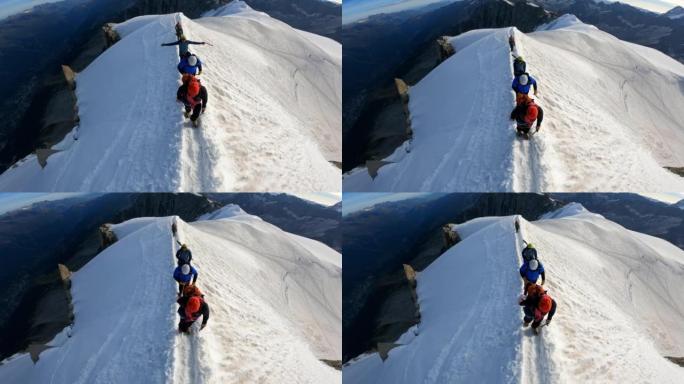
<point>531,270</point>
<point>184,274</point>
<point>190,65</point>
<point>522,84</point>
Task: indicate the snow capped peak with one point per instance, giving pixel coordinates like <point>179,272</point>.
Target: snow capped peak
<point>569,210</point>
<point>675,13</point>
<point>235,7</point>
<point>227,212</point>
<point>567,21</point>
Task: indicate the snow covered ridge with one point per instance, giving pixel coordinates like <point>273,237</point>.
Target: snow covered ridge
<point>612,121</point>
<point>273,121</point>
<point>618,313</point>
<point>275,304</point>
<point>230,211</point>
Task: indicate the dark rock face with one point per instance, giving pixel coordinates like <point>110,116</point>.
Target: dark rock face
<point>376,297</point>
<point>404,45</point>
<point>628,23</point>
<point>291,214</point>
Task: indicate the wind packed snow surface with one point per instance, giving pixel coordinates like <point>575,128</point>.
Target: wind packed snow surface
<point>613,117</point>
<point>619,308</point>
<point>273,119</point>
<point>275,306</point>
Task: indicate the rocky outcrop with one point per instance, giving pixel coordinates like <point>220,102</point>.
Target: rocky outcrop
<point>337,364</point>
<point>108,236</point>
<point>446,49</point>
<point>402,89</point>
<point>402,312</point>
<point>676,170</point>
<point>54,311</point>
<point>451,236</point>
<point>111,36</point>
<point>677,360</point>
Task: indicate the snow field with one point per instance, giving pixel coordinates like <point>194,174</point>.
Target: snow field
<point>617,309</point>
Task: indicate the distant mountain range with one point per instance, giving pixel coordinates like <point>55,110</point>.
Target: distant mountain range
<point>635,212</point>
<point>664,32</point>
<point>316,16</point>
<point>291,214</point>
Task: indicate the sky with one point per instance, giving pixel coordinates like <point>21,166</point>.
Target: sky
<point>355,10</point>
<point>10,7</point>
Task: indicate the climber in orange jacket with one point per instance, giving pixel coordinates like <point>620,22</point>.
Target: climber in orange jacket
<point>526,113</point>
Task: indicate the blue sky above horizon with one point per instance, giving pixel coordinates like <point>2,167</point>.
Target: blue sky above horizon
<point>355,10</point>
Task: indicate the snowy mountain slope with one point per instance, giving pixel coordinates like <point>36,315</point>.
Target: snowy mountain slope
<point>618,310</point>
<point>275,309</point>
<point>613,118</point>
<point>272,123</point>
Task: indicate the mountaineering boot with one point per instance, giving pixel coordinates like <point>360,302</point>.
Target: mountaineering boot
<point>526,323</point>
<point>195,123</point>
<point>536,330</point>
<point>186,114</point>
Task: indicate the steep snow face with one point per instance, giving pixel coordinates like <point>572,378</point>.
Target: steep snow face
<point>275,310</point>
<point>273,119</point>
<point>461,139</point>
<point>612,121</point>
<point>618,312</point>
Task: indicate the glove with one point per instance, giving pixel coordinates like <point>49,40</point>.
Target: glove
<point>538,127</point>
<point>548,322</point>
<point>203,110</point>
<point>204,325</point>
<point>542,281</point>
